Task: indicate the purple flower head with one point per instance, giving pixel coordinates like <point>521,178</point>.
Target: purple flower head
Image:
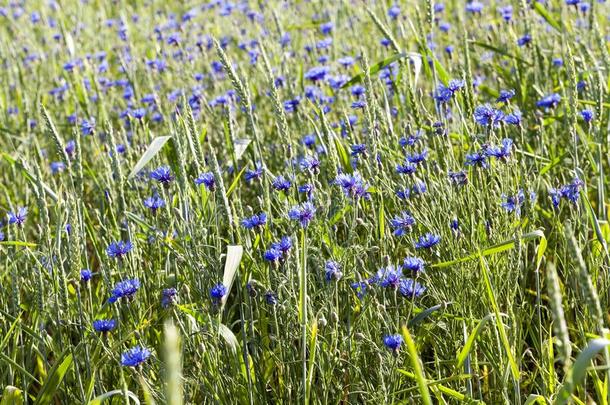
<point>413,265</point>
<point>119,249</point>
<point>135,356</point>
<point>218,292</point>
<point>402,223</point>
<point>501,152</point>
<point>353,185</point>
<point>477,159</point>
<point>18,218</point>
<point>427,241</point>
<point>487,115</point>
<point>125,289</point>
<point>208,180</point>
<point>154,203</point>
<point>104,325</point>
<point>304,213</point>
<point>393,342</point>
<point>549,101</point>
<point>255,221</point>
<point>410,288</point>
<point>162,174</point>
<point>332,271</point>
<point>169,296</point>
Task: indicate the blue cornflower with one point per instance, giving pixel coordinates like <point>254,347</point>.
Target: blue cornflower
<point>412,139</point>
<point>272,255</point>
<point>154,203</point>
<point>85,275</point>
<point>587,115</point>
<point>393,342</point>
<point>410,288</point>
<point>217,292</point>
<point>360,287</point>
<point>135,356</point>
<point>358,149</point>
<point>254,174</point>
<point>309,140</point>
<point>570,191</point>
<point>474,7</point>
<point>284,245</point>
<point>353,185</point>
<point>505,95</point>
<point>326,28</point>
<point>119,249</point>
<point>162,174</point>
<point>207,179</point>
<point>19,217</point>
<point>104,325</point>
<point>169,296</point>
<point>487,115</point>
<point>406,168</point>
<point>413,264</point>
<point>458,178</point>
<point>271,298</point>
<point>549,101</point>
<point>57,167</point>
<point>388,277</point>
<point>292,104</point>
<point>332,270</point>
<point>402,224</point>
<point>281,183</point>
<point>346,61</point>
<point>254,221</point>
<point>506,12</point>
<point>444,93</point>
<point>417,158</point>
<point>394,11</point>
<point>358,104</point>
<point>87,127</point>
<point>427,241</point>
<point>317,73</point>
<point>513,118</point>
<point>125,289</point>
<point>310,163</point>
<point>477,159</point>
<point>70,147</point>
<point>357,90</point>
<point>524,40</point>
<point>304,213</point>
<point>501,152</point>
<point>513,203</point>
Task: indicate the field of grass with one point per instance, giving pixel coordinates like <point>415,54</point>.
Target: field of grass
<point>244,202</point>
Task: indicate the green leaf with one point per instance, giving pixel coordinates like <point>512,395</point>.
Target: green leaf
<point>543,12</point>
<point>234,254</point>
<point>463,355</point>
<point>500,247</point>
<point>12,396</point>
<point>17,243</point>
<point>101,398</point>
<point>375,68</point>
<point>154,148</point>
<point>595,223</point>
<point>579,369</point>
<point>426,313</point>
<point>500,51</point>
<point>229,337</point>
<point>235,182</point>
<point>53,381</point>
<point>417,368</point>
<point>499,325</point>
<point>240,146</point>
